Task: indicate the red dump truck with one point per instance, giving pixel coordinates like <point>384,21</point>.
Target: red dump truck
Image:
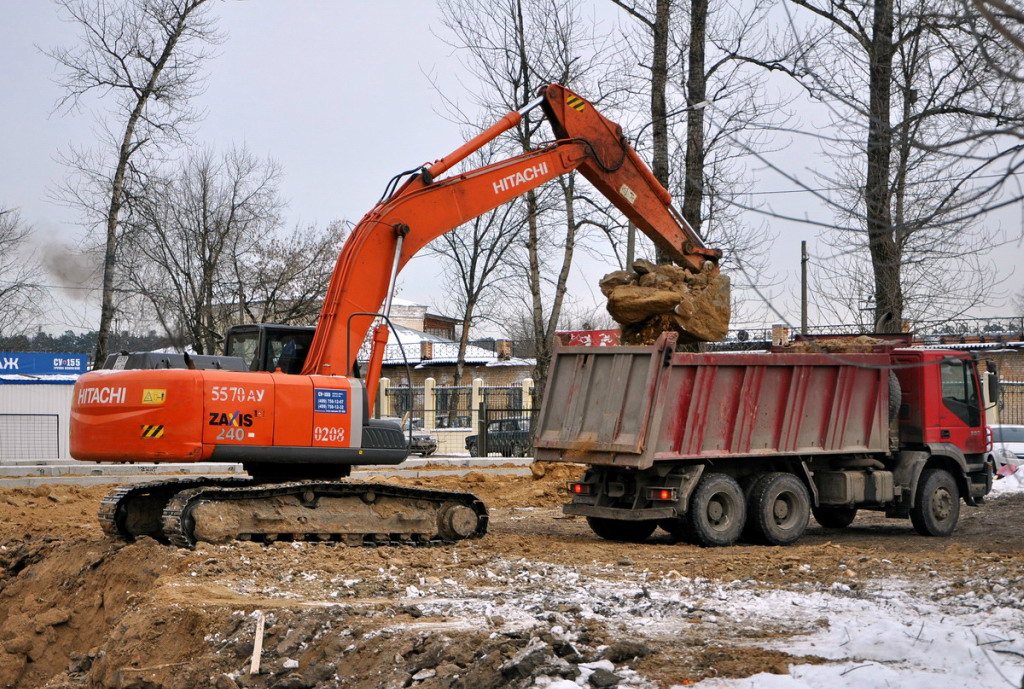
<point>713,447</point>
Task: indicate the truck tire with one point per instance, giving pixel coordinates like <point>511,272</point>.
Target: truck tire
<point>717,511</point>
<point>834,516</point>
<point>937,504</point>
<point>622,530</point>
<point>474,450</point>
<point>778,509</point>
<point>895,396</point>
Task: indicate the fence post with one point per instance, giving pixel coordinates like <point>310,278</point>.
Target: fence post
<point>527,393</point>
<point>481,430</point>
<point>475,397</point>
<point>383,400</point>
<point>429,404</point>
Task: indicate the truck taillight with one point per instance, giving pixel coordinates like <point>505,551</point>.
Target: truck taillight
<point>581,489</point>
<point>663,494</point>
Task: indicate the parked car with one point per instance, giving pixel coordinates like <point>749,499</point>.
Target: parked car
<point>509,437</point>
<point>1007,448</point>
<point>423,442</point>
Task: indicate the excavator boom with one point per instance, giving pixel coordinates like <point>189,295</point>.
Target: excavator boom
<point>425,208</point>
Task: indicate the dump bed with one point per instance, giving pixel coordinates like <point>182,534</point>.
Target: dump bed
<point>638,405</point>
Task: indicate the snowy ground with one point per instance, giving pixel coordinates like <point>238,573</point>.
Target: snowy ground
<point>898,634</point>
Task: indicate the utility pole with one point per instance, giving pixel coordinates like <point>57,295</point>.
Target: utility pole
<point>630,245</point>
<point>803,288</point>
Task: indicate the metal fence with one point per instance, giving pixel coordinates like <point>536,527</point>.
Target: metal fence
<point>29,436</point>
<point>452,422</point>
<point>406,399</point>
<point>1011,402</point>
<point>504,431</point>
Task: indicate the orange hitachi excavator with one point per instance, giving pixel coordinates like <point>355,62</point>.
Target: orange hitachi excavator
<point>288,403</point>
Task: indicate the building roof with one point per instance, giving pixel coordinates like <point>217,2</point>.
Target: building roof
<point>445,351</point>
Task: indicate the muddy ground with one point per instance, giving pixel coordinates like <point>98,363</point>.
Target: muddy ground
<point>540,601</point>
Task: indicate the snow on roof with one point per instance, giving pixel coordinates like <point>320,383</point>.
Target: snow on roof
<point>42,379</point>
<point>997,346</point>
<point>445,351</point>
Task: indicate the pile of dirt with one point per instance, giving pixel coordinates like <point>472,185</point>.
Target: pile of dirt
<point>861,344</point>
<point>651,299</point>
<point>544,487</point>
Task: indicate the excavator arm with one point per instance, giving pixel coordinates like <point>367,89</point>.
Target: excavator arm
<point>426,207</point>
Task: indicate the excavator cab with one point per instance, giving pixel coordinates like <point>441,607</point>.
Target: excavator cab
<point>268,347</point>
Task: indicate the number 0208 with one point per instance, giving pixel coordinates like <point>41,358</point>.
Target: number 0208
<point>328,434</point>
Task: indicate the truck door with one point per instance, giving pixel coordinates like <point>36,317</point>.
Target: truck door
<point>960,414</point>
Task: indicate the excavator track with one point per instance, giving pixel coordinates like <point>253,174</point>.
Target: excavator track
<point>128,512</point>
<point>184,511</point>
<point>368,514</point>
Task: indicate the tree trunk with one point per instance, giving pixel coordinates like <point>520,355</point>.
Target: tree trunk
<point>127,148</point>
<point>696,92</point>
<point>659,110</point>
<point>885,257</point>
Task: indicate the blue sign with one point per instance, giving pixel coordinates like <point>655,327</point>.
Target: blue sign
<point>42,363</point>
<point>330,401</point>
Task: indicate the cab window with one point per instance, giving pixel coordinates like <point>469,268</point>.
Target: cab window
<point>244,345</point>
<point>958,392</point>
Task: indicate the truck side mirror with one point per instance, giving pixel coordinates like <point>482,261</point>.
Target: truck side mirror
<point>993,387</point>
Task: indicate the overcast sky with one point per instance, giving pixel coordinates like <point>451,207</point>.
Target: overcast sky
<point>337,91</point>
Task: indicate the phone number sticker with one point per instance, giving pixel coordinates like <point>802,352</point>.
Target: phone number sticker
<point>330,401</point>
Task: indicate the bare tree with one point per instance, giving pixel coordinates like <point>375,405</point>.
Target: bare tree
<point>18,290</point>
<point>145,57</point>
<point>902,80</point>
<point>514,47</point>
<point>478,257</point>
<point>700,68</point>
<point>284,279</point>
<point>187,235</point>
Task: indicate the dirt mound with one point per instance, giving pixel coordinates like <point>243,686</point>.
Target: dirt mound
<point>650,299</point>
<point>545,487</point>
<point>861,344</point>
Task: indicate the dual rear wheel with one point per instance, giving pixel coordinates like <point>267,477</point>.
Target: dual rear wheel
<point>775,510</point>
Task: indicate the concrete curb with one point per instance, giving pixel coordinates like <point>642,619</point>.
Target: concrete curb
<point>92,474</point>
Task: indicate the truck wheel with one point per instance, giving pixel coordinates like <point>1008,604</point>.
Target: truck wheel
<point>474,451</point>
<point>621,530</point>
<point>778,509</point>
<point>717,511</point>
<point>937,505</point>
<point>518,449</point>
<point>834,516</point>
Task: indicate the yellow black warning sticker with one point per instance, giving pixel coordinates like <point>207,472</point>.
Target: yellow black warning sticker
<point>152,431</point>
<point>576,103</point>
<point>154,396</point>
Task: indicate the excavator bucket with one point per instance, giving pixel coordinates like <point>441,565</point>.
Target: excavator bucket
<point>651,299</point>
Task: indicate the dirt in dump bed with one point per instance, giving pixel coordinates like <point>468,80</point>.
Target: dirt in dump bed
<point>861,344</point>
<point>651,299</point>
<point>540,596</point>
